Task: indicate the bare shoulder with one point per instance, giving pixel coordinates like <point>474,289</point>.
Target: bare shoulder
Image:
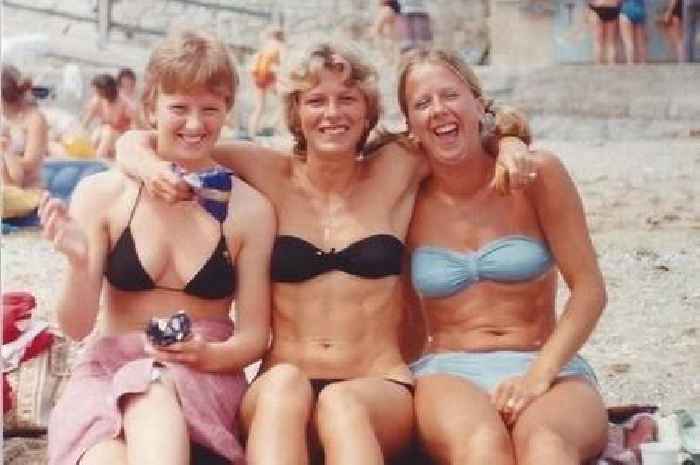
<point>248,205</point>
<point>101,190</point>
<point>399,156</point>
<point>547,162</point>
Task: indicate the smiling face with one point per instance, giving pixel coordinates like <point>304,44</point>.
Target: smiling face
<point>333,115</point>
<point>442,112</point>
<point>188,126</point>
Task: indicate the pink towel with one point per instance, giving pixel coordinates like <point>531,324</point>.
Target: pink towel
<point>112,366</point>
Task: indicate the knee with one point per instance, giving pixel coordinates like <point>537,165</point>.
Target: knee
<point>542,445</point>
<point>158,395</point>
<point>486,444</point>
<point>285,387</point>
<point>338,407</point>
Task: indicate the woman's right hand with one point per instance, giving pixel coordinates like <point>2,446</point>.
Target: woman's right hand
<point>63,231</point>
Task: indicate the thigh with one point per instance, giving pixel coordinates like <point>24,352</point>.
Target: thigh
<point>279,383</point>
<point>388,405</point>
<point>573,409</point>
<point>111,452</point>
<point>450,410</point>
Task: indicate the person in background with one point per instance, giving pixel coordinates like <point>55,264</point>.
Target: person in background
<point>384,29</point>
<point>604,16</point>
<point>126,84</point>
<point>691,24</point>
<point>413,25</point>
<point>114,112</point>
<point>673,27</point>
<point>135,257</point>
<point>264,72</point>
<point>24,139</point>
<point>633,18</point>
<point>500,381</point>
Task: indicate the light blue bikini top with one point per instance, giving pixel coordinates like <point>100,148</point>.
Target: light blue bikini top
<point>440,272</point>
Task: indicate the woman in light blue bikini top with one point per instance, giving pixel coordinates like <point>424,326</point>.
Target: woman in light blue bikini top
<point>441,272</point>
<point>484,266</point>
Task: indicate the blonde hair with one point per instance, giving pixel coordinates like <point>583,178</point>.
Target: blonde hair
<point>187,60</point>
<point>500,121</point>
<point>305,73</point>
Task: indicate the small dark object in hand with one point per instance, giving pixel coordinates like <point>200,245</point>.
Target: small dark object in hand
<point>162,332</point>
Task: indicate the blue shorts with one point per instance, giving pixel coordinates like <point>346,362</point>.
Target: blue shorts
<point>635,11</point>
<point>488,369</point>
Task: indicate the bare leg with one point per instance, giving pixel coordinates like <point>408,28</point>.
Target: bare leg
<point>458,424</point>
<point>256,115</point>
<point>628,38</point>
<point>598,38</point>
<point>112,452</point>
<point>640,37</point>
<point>566,426</point>
<point>275,413</point>
<point>364,421</point>
<point>610,34</point>
<point>675,34</point>
<point>155,428</point>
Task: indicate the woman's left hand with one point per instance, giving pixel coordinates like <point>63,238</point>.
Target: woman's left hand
<point>194,352</point>
<point>512,396</point>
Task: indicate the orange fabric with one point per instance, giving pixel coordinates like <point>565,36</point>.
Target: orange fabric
<point>265,61</point>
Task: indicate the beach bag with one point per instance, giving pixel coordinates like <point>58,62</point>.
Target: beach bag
<point>35,385</point>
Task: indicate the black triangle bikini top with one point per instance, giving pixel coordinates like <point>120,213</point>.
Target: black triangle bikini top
<point>215,280</point>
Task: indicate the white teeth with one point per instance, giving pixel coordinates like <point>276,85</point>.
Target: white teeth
<point>192,139</point>
<point>334,130</point>
<point>444,129</point>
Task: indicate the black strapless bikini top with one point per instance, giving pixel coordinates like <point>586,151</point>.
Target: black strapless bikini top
<point>295,260</point>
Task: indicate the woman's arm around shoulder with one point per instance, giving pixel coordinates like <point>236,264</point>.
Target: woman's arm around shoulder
<point>253,224</point>
<point>259,166</point>
<point>136,156</point>
<point>81,234</point>
<point>398,161</point>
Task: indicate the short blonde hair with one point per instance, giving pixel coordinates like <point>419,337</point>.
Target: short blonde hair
<point>305,73</point>
<point>187,60</point>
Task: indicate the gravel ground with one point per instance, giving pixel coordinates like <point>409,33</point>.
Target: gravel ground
<point>643,206</point>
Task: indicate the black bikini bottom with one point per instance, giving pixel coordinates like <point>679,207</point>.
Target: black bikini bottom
<point>606,13</point>
<point>317,384</point>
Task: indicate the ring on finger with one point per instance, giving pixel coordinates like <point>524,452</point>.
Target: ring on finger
<point>510,404</point>
<point>532,176</point>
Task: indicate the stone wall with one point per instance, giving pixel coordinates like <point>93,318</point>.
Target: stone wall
<point>457,23</point>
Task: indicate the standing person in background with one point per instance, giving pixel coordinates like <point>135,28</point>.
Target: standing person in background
<point>673,27</point>
<point>114,112</point>
<point>633,30</point>
<point>691,17</point>
<point>604,15</point>
<point>264,70</point>
<point>384,28</point>
<point>23,145</point>
<point>414,28</point>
